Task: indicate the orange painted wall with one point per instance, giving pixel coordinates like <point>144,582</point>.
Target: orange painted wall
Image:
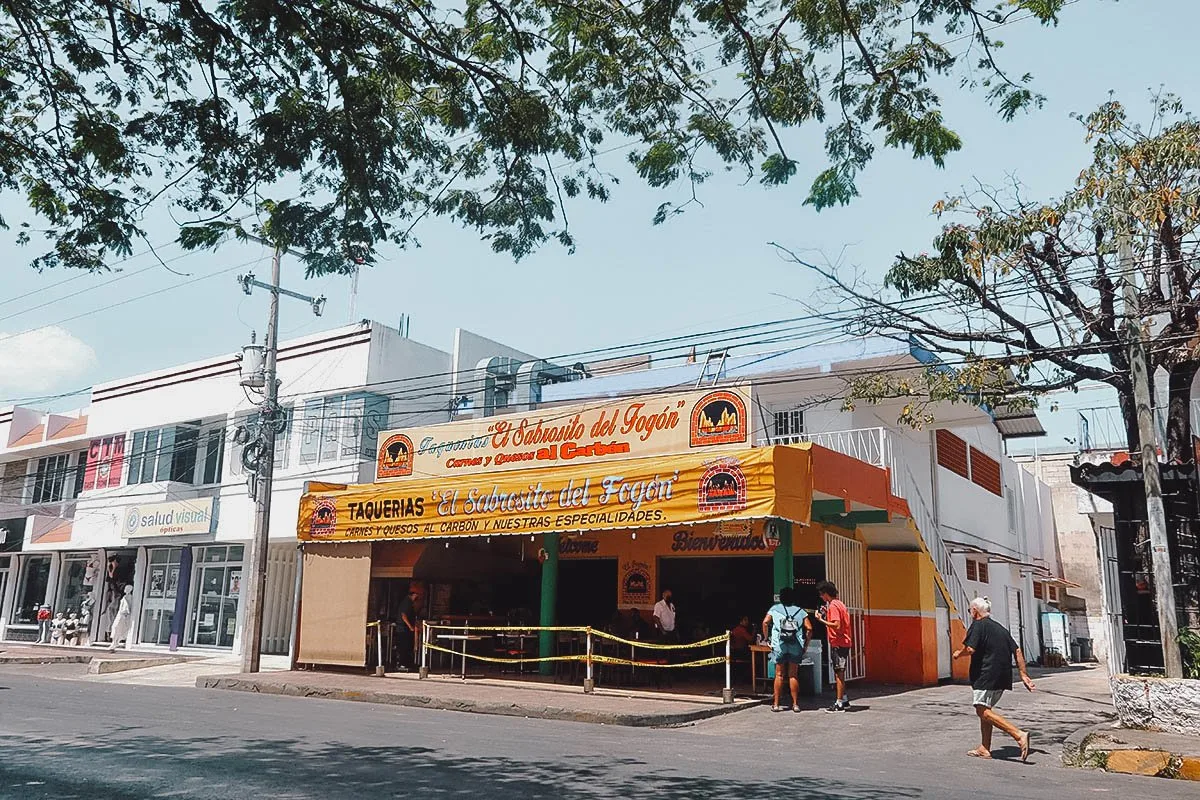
<point>902,649</point>
<point>901,628</point>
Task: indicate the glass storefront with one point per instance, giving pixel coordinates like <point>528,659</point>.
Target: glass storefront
<point>118,573</point>
<point>75,583</point>
<point>31,593</point>
<point>162,587</point>
<point>218,577</point>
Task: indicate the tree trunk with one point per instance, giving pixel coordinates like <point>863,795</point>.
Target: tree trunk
<point>1179,412</point>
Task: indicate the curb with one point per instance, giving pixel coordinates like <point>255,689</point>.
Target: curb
<point>83,658</point>
<point>107,666</point>
<point>558,713</point>
<point>1091,748</point>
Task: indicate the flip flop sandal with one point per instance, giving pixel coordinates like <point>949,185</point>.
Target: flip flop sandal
<point>977,754</point>
<point>776,709</point>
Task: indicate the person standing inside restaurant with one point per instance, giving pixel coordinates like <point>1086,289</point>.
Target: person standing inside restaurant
<point>407,629</point>
<point>788,627</point>
<point>836,618</point>
<point>664,619</point>
<point>992,650</point>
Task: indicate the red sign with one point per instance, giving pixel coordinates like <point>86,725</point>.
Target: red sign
<point>105,460</point>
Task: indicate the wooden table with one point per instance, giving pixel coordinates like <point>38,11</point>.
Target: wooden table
<point>755,651</point>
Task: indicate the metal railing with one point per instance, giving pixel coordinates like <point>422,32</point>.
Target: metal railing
<point>874,446</point>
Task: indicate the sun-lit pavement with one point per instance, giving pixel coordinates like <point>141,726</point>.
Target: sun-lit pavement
<point>87,739</point>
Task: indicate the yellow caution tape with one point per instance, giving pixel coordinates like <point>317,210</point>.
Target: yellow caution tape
<point>660,645</point>
<point>596,659</point>
<point>508,629</point>
<point>494,660</point>
<point>704,662</point>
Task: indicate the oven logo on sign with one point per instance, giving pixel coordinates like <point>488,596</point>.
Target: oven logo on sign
<point>718,418</point>
<point>722,488</point>
<point>395,457</point>
<point>324,518</point>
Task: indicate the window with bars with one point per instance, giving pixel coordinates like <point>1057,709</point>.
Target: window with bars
<point>977,570</point>
<point>1038,592</point>
<point>1052,591</point>
<point>50,478</point>
<point>789,423</point>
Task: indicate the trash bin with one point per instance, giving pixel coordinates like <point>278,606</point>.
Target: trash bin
<point>1085,649</point>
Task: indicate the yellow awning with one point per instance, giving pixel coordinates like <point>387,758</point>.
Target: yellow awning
<point>634,493</point>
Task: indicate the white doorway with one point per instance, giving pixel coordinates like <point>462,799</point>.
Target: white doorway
<point>1016,617</point>
<point>844,566</point>
<point>944,656</point>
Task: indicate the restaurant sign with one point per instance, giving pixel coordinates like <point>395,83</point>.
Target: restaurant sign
<point>651,492</point>
<point>602,431</point>
<point>179,518</point>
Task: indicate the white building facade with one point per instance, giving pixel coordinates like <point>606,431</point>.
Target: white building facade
<point>144,487</point>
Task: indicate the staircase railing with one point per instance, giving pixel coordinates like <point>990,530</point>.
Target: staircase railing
<point>874,446</point>
<point>927,528</point>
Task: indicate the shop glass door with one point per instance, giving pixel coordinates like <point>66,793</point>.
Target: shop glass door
<point>35,577</point>
<point>218,587</point>
<point>162,586</point>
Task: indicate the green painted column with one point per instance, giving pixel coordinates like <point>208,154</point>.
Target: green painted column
<point>785,564</point>
<point>549,601</point>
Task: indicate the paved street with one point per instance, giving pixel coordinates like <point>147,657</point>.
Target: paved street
<point>67,737</point>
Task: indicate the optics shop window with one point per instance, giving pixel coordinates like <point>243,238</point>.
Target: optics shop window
<point>165,454</point>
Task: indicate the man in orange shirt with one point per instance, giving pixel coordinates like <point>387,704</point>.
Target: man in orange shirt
<point>836,618</point>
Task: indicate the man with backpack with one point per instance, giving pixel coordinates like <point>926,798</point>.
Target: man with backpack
<point>788,628</point>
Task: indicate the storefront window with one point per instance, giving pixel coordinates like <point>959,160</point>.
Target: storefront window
<point>218,589</point>
<point>35,577</point>
<point>75,583</point>
<point>162,586</point>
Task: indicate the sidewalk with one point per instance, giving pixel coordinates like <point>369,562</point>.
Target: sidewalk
<point>1134,752</point>
<point>100,659</point>
<point>487,696</point>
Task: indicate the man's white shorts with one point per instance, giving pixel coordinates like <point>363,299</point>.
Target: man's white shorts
<point>988,698</point>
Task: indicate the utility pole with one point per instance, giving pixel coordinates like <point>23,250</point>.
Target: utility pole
<point>259,458</point>
<point>1156,517</point>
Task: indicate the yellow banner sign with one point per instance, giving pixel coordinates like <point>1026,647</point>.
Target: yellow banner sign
<point>638,493</point>
<point>602,431</point>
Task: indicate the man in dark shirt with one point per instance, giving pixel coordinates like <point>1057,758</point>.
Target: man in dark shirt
<point>992,649</point>
<point>407,629</point>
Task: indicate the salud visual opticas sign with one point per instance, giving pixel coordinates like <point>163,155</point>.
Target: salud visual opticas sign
<point>603,431</point>
<point>179,518</point>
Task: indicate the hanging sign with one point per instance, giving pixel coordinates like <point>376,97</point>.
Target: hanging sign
<point>640,493</point>
<point>599,432</point>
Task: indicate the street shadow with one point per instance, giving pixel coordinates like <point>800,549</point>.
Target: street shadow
<point>129,764</point>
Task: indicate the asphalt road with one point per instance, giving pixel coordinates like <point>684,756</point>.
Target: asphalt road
<point>69,738</point>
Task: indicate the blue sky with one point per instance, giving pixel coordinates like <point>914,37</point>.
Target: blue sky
<point>628,280</point>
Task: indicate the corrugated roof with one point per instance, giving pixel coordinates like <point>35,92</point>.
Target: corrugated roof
<point>684,376</point>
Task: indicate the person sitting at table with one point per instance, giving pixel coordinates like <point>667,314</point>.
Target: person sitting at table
<point>742,636</point>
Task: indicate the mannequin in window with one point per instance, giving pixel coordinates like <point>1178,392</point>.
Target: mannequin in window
<point>56,628</point>
<point>85,620</point>
<point>71,629</point>
<point>120,623</point>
